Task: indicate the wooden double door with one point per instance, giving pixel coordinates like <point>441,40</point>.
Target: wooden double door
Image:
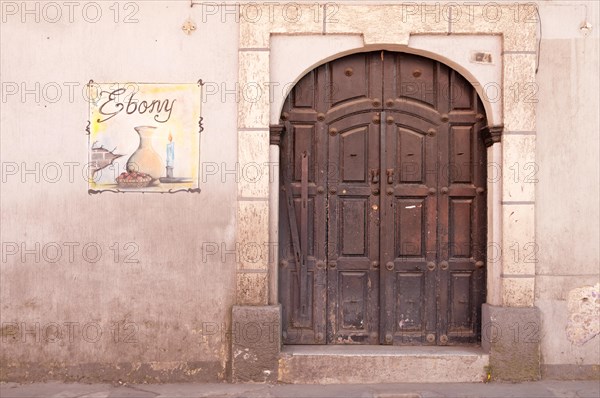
<point>382,204</point>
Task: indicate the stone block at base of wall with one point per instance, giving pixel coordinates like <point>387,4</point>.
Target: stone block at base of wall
<point>255,343</point>
<point>511,336</point>
<point>120,372</point>
<point>571,372</point>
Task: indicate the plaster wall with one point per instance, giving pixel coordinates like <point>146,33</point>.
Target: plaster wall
<point>567,209</point>
<point>163,312</point>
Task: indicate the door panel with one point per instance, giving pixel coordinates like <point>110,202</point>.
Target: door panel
<point>408,233</point>
<point>392,238</point>
<point>411,152</point>
<point>304,136</point>
<point>353,231</point>
<point>409,227</point>
<point>459,169</point>
<point>349,80</point>
<point>353,225</point>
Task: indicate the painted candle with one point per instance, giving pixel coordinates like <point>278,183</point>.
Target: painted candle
<point>170,152</point>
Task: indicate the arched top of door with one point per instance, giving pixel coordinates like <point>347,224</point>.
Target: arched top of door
<point>415,81</point>
<point>303,66</point>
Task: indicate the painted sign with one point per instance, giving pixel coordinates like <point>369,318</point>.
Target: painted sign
<point>144,137</point>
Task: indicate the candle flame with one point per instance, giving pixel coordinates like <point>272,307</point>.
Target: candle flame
<point>170,137</point>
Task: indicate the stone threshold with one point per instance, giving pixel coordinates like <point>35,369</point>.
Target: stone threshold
<point>337,364</point>
<point>380,350</point>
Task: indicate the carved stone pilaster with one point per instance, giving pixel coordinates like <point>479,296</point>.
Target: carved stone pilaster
<point>492,134</point>
<point>275,132</point>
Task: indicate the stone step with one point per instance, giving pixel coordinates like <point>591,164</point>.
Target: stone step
<point>339,364</point>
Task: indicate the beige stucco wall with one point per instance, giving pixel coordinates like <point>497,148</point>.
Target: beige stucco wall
<point>162,303</point>
<point>567,154</point>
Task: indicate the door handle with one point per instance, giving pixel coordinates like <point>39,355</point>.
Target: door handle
<point>390,176</point>
<point>374,176</point>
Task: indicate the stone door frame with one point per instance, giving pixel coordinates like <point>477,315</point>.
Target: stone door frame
<point>451,34</point>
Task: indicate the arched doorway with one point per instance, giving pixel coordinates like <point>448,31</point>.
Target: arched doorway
<point>383,206</point>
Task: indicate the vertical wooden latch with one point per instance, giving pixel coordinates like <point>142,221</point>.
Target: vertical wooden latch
<point>304,234</point>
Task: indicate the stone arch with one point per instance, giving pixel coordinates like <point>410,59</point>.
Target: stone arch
<point>485,82</point>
